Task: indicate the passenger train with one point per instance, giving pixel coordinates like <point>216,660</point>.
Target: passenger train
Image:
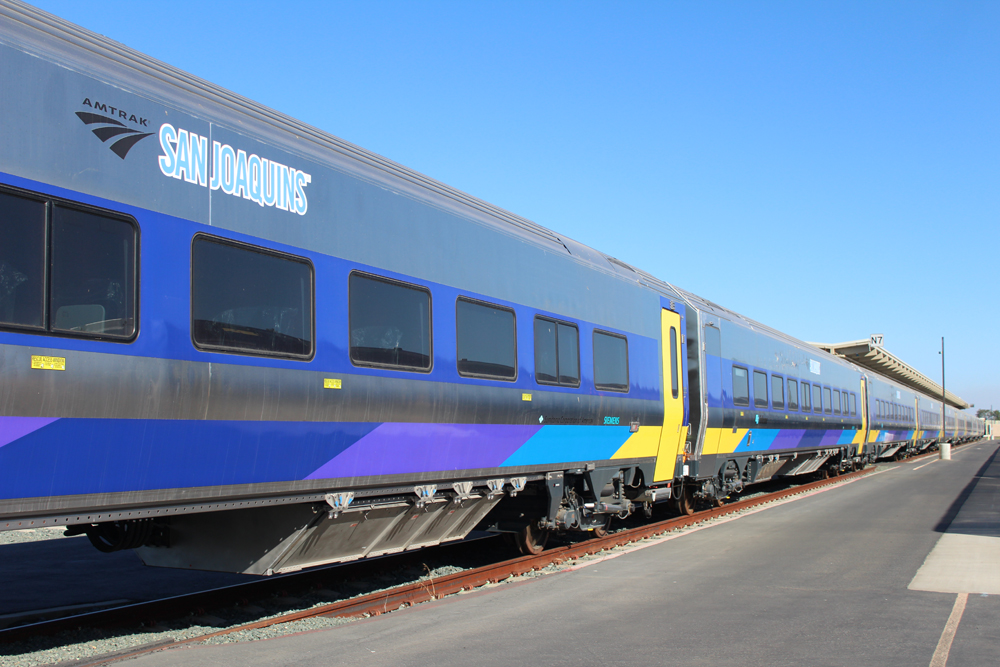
<point>234,342</point>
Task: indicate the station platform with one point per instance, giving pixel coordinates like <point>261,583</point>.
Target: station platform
<point>894,568</point>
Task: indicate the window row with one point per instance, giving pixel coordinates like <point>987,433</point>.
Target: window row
<point>391,328</point>
<point>890,410</point>
<point>814,397</point>
<point>250,300</point>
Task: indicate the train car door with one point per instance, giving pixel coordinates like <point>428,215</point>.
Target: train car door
<point>864,414</point>
<point>674,433</point>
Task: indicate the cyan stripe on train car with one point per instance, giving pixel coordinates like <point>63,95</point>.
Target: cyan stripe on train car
<point>569,443</point>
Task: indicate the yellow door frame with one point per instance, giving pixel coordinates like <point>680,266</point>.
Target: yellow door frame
<point>674,433</point>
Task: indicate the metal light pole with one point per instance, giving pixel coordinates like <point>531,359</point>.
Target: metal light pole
<point>945,447</point>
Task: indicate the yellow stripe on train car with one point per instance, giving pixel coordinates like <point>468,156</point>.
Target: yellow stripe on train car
<point>730,440</point>
<point>641,444</point>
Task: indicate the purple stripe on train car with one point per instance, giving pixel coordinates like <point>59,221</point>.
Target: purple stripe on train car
<point>788,438</point>
<point>14,428</point>
<point>830,438</point>
<point>393,449</point>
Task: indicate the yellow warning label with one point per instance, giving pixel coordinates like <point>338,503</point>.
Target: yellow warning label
<point>525,397</point>
<point>331,383</point>
<point>48,363</point>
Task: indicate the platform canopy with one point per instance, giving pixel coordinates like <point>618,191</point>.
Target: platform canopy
<point>875,358</point>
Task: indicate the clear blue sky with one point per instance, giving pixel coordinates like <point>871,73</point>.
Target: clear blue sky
<point>831,169</point>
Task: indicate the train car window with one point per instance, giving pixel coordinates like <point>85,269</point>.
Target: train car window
<point>759,389</point>
<point>674,384</point>
<point>793,394</point>
<point>22,261</point>
<point>713,341</point>
<point>93,264</point>
<point>827,401</point>
<point>611,362</point>
<point>741,386</point>
<point>854,405</point>
<point>67,270</point>
<point>250,300</point>
<point>557,353</point>
<point>777,392</point>
<point>546,366</point>
<point>817,399</point>
<point>569,355</point>
<point>390,323</point>
<point>836,401</point>
<point>806,403</point>
<point>485,340</point>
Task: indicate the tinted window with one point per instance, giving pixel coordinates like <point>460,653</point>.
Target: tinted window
<point>557,353</point>
<point>741,386</point>
<point>806,403</point>
<point>546,369</point>
<point>713,341</point>
<point>674,384</point>
<point>93,262</point>
<point>793,394</point>
<point>485,339</point>
<point>854,407</point>
<point>826,399</point>
<point>86,258</point>
<point>246,299</point>
<point>817,399</point>
<point>759,389</point>
<point>777,393</point>
<point>22,261</point>
<point>836,401</point>
<point>568,342</point>
<point>610,362</point>
<point>390,323</point>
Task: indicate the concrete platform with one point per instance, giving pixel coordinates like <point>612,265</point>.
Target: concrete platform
<point>821,580</point>
<point>966,558</point>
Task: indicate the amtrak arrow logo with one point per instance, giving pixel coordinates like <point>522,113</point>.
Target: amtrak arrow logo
<point>111,129</point>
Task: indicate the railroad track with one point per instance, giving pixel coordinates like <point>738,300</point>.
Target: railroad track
<point>376,603</point>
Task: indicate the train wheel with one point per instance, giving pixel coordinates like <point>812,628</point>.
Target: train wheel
<point>601,531</point>
<point>532,539</point>
<point>685,504</point>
